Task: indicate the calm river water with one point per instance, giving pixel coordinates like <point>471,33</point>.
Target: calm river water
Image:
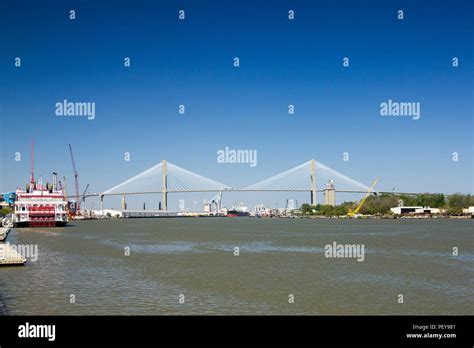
<point>195,257</point>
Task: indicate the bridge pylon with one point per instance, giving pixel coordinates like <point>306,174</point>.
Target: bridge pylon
<point>164,185</point>
<point>312,165</point>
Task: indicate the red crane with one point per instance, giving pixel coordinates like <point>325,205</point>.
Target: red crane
<point>78,200</point>
<point>32,177</point>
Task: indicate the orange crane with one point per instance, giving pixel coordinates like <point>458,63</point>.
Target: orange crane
<point>32,177</point>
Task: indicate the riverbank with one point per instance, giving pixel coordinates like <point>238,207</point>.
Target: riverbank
<point>323,217</point>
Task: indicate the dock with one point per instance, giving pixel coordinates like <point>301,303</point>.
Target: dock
<point>146,213</point>
<point>9,256</point>
<point>4,233</point>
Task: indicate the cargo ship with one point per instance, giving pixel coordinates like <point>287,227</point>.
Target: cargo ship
<point>40,205</point>
<point>238,210</point>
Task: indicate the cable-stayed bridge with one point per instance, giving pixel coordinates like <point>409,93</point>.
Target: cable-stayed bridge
<point>167,178</point>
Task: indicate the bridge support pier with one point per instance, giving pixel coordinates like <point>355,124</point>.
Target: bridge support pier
<point>164,186</point>
<point>101,202</point>
<point>313,181</point>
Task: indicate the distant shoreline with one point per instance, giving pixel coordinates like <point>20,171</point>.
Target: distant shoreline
<point>315,217</point>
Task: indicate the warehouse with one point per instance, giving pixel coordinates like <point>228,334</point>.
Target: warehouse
<point>415,210</point>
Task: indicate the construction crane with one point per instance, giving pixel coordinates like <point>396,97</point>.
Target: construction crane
<point>353,213</point>
<point>68,207</point>
<point>84,196</point>
<point>78,199</point>
<point>216,200</point>
<point>64,188</point>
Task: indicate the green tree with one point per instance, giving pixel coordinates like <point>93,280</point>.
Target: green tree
<point>436,200</point>
<point>457,202</point>
<point>5,211</point>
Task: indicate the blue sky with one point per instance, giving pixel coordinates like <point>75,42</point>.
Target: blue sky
<point>283,62</point>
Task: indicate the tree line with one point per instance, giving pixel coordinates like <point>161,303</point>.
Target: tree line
<point>381,204</point>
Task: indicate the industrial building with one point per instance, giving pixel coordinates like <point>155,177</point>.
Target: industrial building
<point>415,210</point>
<point>469,210</point>
<point>330,194</point>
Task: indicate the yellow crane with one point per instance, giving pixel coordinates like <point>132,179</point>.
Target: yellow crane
<point>354,212</point>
